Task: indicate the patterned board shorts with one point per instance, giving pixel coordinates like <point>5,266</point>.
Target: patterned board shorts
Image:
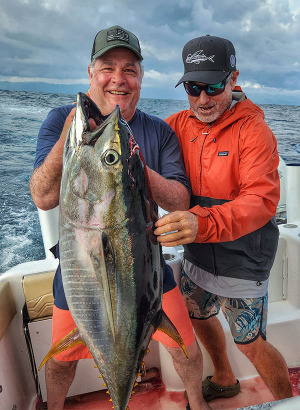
<point>247,318</point>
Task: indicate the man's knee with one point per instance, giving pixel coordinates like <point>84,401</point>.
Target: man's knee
<point>60,365</point>
<point>252,349</point>
<point>193,354</point>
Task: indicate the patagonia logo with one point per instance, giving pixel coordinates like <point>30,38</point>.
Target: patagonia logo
<point>117,34</point>
<point>223,154</point>
<point>198,57</point>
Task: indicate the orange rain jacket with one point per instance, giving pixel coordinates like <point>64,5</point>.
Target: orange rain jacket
<point>232,166</point>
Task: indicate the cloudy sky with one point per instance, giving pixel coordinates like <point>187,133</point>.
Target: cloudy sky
<point>46,44</point>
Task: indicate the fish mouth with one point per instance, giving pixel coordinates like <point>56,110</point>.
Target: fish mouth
<point>91,111</point>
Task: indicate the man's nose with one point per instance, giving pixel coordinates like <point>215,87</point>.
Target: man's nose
<point>118,76</point>
<point>203,97</point>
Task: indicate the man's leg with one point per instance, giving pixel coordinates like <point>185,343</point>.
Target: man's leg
<point>59,376</point>
<point>203,307</point>
<point>60,369</point>
<point>271,366</point>
<point>247,319</point>
<point>211,335</point>
<point>190,371</point>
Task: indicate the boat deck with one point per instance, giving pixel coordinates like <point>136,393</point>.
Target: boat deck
<point>151,394</point>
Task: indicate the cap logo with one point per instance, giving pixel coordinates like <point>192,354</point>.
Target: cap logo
<point>197,57</point>
<point>117,34</point>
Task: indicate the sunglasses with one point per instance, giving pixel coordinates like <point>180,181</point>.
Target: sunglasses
<point>210,89</point>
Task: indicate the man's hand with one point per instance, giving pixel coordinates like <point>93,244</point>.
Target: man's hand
<point>177,228</point>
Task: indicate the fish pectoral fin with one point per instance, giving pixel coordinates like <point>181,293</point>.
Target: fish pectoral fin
<point>72,339</point>
<point>104,263</point>
<point>169,329</point>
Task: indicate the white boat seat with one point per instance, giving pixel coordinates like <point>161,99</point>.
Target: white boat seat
<point>39,295</point>
<point>7,307</point>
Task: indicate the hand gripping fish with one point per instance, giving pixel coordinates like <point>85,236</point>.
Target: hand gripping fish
<point>110,259</point>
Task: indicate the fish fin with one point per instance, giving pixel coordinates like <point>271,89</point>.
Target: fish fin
<point>169,329</point>
<point>101,265</point>
<point>72,339</point>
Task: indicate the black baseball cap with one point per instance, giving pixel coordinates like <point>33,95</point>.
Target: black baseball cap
<point>112,37</point>
<point>207,60</point>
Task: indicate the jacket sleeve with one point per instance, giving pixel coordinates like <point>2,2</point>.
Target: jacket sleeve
<point>259,186</point>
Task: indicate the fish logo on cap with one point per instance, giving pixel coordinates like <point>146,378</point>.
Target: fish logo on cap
<point>197,57</point>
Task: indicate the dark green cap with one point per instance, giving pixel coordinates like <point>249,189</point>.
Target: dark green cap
<point>112,37</point>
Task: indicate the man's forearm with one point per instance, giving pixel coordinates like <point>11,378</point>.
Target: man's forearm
<point>45,180</point>
<point>169,194</point>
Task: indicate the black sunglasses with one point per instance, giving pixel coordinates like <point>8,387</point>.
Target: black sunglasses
<point>210,89</point>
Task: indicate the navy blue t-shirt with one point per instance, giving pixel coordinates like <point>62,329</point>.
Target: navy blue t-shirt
<point>159,146</point>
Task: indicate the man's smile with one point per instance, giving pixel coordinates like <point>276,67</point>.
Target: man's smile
<point>117,92</point>
<point>207,108</point>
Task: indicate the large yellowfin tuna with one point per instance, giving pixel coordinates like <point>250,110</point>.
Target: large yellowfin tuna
<point>110,259</point>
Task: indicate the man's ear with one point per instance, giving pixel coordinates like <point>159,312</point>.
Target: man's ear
<point>233,79</point>
<point>90,73</point>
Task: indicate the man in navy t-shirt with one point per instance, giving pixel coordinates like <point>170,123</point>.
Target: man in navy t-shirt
<point>115,76</point>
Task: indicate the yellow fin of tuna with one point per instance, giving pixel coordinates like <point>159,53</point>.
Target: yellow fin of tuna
<point>169,329</point>
<point>72,339</point>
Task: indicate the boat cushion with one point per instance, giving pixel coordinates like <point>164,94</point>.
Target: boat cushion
<point>7,307</point>
<point>39,295</point>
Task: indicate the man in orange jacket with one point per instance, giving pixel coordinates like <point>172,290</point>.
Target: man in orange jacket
<point>229,234</point>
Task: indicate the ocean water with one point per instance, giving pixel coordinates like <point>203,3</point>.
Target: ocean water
<point>22,114</point>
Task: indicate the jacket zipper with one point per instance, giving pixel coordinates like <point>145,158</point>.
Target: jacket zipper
<point>211,245</point>
<point>206,134</point>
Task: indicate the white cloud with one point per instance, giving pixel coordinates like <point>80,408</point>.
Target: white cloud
<point>51,41</point>
<point>161,77</point>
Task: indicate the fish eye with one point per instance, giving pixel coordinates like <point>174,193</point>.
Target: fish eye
<point>110,157</point>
